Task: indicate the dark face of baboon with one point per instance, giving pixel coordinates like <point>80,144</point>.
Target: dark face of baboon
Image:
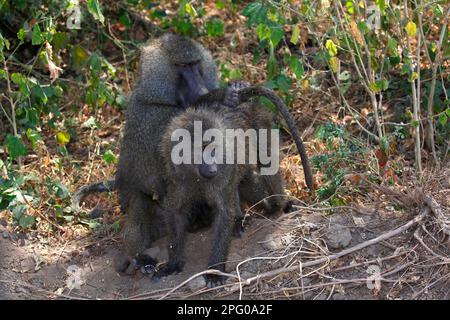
<point>175,70</point>
<point>208,166</point>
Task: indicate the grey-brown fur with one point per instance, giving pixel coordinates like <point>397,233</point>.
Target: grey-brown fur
<point>152,105</point>
<point>186,187</point>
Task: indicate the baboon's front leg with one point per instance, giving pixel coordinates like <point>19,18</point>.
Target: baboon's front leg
<point>224,224</point>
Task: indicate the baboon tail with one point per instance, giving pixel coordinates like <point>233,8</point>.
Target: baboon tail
<point>103,186</point>
<point>255,91</point>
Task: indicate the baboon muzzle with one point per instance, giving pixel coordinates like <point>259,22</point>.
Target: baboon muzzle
<point>208,171</point>
<point>192,84</point>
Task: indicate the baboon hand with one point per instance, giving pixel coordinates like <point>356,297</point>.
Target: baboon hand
<point>232,93</point>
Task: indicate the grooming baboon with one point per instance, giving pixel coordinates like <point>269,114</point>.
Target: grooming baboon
<point>214,183</point>
<point>175,71</point>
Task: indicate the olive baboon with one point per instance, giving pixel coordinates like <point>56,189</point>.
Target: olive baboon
<point>214,183</point>
<point>175,71</point>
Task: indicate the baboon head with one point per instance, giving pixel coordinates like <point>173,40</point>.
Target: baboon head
<point>209,148</point>
<point>175,70</point>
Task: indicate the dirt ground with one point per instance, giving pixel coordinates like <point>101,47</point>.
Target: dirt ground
<point>26,274</point>
<point>33,269</point>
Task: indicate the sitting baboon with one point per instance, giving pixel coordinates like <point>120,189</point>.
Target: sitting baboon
<point>214,183</point>
<point>175,71</point>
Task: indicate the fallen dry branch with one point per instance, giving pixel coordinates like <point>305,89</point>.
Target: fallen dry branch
<point>432,212</point>
<point>442,221</point>
<point>327,259</point>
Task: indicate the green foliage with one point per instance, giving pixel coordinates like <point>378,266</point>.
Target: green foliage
<point>215,28</point>
<point>94,9</point>
<point>15,147</point>
<point>342,154</point>
<point>109,157</point>
<point>15,196</point>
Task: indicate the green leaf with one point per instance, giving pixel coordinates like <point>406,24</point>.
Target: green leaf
<point>79,57</point>
<point>331,47</point>
<point>414,76</point>
<point>334,64</point>
<point>297,67</point>
<point>415,123</point>
<point>443,119</point>
<point>235,74</point>
<point>375,87</point>
<point>191,10</point>
<point>37,91</point>
<point>15,147</point>
<point>125,19</point>
<point>276,34</point>
<point>26,221</point>
<point>21,34</point>
<point>94,9</point>
<point>295,34</point>
<point>92,224</point>
<point>283,83</point>
<point>95,62</point>
<point>37,37</point>
<point>350,7</point>
<point>91,123</point>
<point>220,4</point>
<point>109,157</point>
<point>19,209</point>
<point>256,12</point>
<point>263,32</point>
<point>272,66</point>
<point>392,46</point>
<point>33,136</point>
<point>384,84</point>
<point>381,4</point>
<point>344,76</point>
<point>60,190</point>
<point>384,144</point>
<point>268,104</point>
<point>22,81</point>
<point>215,28</point>
<point>381,85</point>
<point>60,41</point>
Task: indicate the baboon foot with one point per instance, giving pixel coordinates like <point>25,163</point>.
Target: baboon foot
<point>214,280</point>
<point>167,270</point>
<point>289,207</point>
<point>145,263</point>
